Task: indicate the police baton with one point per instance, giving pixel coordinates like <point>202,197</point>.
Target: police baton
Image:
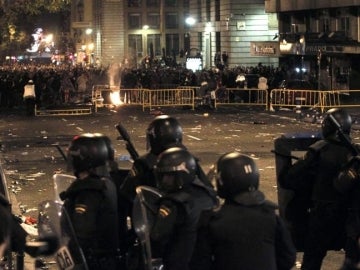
<point>126,137</point>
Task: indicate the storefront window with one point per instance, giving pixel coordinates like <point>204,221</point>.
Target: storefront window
<point>172,44</point>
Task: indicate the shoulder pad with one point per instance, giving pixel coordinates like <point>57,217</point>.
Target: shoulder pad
<point>181,197</point>
<point>317,146</point>
<point>271,205</point>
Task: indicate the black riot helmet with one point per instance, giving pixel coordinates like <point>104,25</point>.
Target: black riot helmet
<point>109,145</point>
<point>175,169</point>
<point>163,132</point>
<point>341,116</point>
<point>87,151</point>
<point>236,173</point>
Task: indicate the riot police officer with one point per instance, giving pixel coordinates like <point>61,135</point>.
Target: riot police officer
<point>185,197</point>
<point>162,133</point>
<point>315,174</point>
<point>91,202</point>
<point>5,224</point>
<point>245,233</point>
<point>348,183</point>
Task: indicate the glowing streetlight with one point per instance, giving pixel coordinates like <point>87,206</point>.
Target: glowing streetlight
<point>88,31</point>
<point>190,21</point>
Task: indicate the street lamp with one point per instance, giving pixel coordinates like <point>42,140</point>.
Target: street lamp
<point>88,46</point>
<point>190,21</point>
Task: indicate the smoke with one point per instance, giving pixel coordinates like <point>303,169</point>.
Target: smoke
<point>114,74</point>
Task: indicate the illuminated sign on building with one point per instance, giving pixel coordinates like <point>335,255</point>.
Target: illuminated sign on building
<point>266,48</point>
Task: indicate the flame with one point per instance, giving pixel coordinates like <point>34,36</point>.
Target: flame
<point>115,98</point>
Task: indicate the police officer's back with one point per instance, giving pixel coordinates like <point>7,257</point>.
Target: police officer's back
<point>245,233</point>
<point>185,197</point>
<point>314,176</point>
<point>348,183</point>
<point>91,202</point>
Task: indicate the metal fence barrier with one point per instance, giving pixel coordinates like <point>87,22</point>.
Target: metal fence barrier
<point>190,96</point>
<point>241,96</point>
<point>168,98</point>
<point>321,99</point>
<point>286,98</point>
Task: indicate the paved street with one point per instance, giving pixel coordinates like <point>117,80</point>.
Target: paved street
<point>30,145</point>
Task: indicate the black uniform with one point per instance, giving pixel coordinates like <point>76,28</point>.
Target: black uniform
<point>92,207</point>
<point>315,174</point>
<point>245,233</point>
<point>348,183</point>
<point>142,173</point>
<point>11,232</point>
<point>174,232</point>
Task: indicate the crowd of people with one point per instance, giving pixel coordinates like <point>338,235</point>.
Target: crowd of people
<point>59,85</point>
<point>201,223</point>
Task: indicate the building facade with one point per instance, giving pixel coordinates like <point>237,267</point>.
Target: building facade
<point>129,31</point>
<point>321,38</point>
<point>234,27</point>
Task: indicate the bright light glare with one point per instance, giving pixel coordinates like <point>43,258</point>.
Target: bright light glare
<point>190,20</point>
<point>49,38</point>
<point>115,98</point>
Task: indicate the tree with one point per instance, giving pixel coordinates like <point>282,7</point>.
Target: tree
<point>18,17</point>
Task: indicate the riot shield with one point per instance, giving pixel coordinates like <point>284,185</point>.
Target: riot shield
<point>144,212</point>
<point>293,209</point>
<point>61,183</point>
<point>53,220</point>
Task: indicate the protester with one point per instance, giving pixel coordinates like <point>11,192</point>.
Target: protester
<point>30,98</point>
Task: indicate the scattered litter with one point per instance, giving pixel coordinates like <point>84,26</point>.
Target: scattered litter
<point>31,210</point>
<point>30,229</point>
<point>193,137</point>
<point>79,128</point>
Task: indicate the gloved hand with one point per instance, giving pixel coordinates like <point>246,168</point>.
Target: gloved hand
<point>354,164</point>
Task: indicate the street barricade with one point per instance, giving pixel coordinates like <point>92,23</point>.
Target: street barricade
<point>168,98</point>
<point>290,98</point>
<point>242,97</point>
